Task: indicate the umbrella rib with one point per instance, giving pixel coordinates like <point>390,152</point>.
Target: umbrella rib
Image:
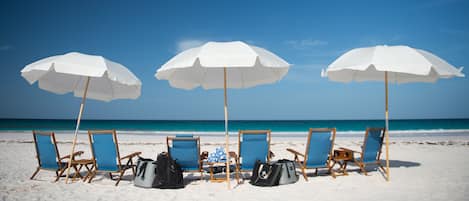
<point>354,75</point>
<point>77,83</point>
<point>243,85</point>
<point>112,87</point>
<point>202,78</point>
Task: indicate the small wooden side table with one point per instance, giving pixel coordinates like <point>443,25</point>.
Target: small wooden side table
<point>211,166</point>
<point>79,164</point>
<point>341,157</point>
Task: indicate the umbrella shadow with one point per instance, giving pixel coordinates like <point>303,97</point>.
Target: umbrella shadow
<point>392,164</point>
<point>193,178</point>
<point>375,167</point>
<point>399,163</point>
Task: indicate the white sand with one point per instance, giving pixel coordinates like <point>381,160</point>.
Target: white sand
<point>422,168</point>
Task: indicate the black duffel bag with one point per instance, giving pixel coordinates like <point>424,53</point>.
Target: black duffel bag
<point>266,174</point>
<point>168,173</point>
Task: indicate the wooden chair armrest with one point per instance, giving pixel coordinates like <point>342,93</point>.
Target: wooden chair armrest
<point>295,152</point>
<point>271,154</point>
<point>347,149</point>
<point>132,155</point>
<point>204,155</point>
<point>233,154</point>
<point>78,153</point>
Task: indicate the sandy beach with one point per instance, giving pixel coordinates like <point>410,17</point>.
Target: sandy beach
<point>422,168</point>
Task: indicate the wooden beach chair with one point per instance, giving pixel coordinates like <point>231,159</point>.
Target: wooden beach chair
<point>185,150</point>
<point>371,149</point>
<point>106,157</point>
<point>318,152</point>
<point>253,145</point>
<point>48,156</point>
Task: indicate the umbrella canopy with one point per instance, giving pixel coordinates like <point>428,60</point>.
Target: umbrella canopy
<point>86,76</point>
<point>403,64</point>
<point>246,66</point>
<point>222,65</point>
<point>395,64</point>
<point>68,73</point>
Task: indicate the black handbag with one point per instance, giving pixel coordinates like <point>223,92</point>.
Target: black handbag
<point>168,173</point>
<point>266,174</point>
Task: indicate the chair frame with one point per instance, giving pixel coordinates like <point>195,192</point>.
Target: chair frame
<point>303,164</point>
<point>121,169</point>
<point>200,162</point>
<point>237,158</point>
<point>61,168</point>
<point>360,162</point>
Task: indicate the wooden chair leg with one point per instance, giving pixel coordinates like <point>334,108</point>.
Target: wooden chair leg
<point>331,171</point>
<point>362,168</point>
<point>120,177</point>
<point>316,172</point>
<point>303,170</point>
<point>88,172</point>
<point>381,166</point>
<point>60,174</point>
<point>110,175</point>
<point>237,173</point>
<point>77,172</point>
<point>134,172</point>
<point>34,174</point>
<point>92,175</point>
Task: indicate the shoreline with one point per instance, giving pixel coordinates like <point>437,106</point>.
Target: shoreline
<point>151,138</point>
<point>276,133</point>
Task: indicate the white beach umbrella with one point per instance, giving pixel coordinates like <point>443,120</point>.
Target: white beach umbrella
<point>222,65</point>
<point>395,64</point>
<point>86,76</point>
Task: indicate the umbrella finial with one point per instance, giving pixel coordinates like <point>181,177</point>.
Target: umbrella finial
<point>460,71</point>
<point>323,73</point>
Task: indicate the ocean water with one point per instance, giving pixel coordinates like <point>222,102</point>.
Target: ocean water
<point>217,126</point>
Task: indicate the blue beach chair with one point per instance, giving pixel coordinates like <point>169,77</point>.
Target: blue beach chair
<point>48,156</point>
<point>371,149</point>
<point>253,145</point>
<point>185,150</point>
<point>319,151</point>
<point>106,157</point>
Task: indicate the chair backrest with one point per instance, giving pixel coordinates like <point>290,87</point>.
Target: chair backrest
<point>185,150</point>
<point>253,145</point>
<point>105,149</point>
<point>372,144</point>
<point>184,135</point>
<point>46,149</point>
<point>320,146</point>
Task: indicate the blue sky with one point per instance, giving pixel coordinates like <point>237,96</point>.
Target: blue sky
<point>143,35</point>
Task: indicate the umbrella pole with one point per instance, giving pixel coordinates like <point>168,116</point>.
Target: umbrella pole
<point>82,106</point>
<point>386,132</point>
<point>226,131</point>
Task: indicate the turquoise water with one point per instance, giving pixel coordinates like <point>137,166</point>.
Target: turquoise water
<point>218,126</point>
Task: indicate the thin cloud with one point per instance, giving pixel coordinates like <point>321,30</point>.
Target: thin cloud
<point>5,48</point>
<point>374,40</point>
<point>305,43</point>
<point>187,44</point>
